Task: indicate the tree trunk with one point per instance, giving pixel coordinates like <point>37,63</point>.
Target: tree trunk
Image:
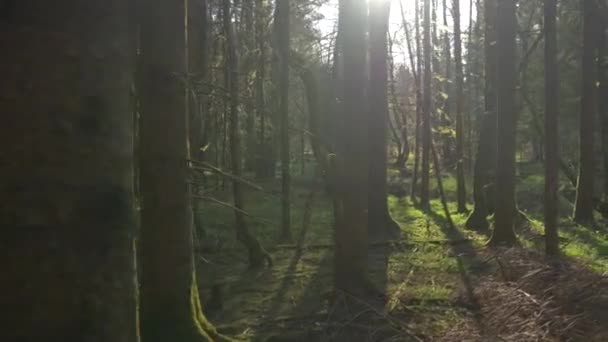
<point>603,99</point>
<point>197,69</point>
<point>262,155</point>
<point>486,147</point>
<point>170,310</point>
<point>418,128</point>
<point>257,254</point>
<point>447,101</point>
<point>282,30</point>
<point>380,222</point>
<point>504,189</point>
<point>426,107</point>
<point>461,185</point>
<point>66,180</point>
<point>352,158</point>
<point>583,206</point>
<point>551,128</point>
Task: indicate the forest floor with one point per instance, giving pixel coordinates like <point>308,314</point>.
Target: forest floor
<point>439,284</point>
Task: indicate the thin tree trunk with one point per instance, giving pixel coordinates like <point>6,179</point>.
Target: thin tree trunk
<point>551,128</point>
<point>504,190</point>
<point>426,107</point>
<point>461,185</point>
<point>486,147</point>
<point>418,128</point>
<point>282,35</point>
<point>262,151</point>
<point>66,188</point>
<point>380,222</point>
<point>447,101</point>
<point>257,254</point>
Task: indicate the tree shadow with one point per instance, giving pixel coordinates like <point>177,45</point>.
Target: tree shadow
<point>469,263</point>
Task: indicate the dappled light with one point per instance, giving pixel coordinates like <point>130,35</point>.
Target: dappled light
<point>295,171</point>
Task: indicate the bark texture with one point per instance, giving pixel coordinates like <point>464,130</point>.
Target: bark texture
<point>504,189</point>
<point>169,310</point>
<point>66,182</point>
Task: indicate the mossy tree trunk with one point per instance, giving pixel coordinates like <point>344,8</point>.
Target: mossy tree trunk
<point>486,147</point>
<point>66,182</point>
<point>504,181</point>
<point>352,159</point>
<point>583,206</point>
<point>380,222</point>
<point>170,308</point>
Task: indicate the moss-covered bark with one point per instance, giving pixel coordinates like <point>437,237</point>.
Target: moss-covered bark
<point>66,174</point>
<point>169,307</point>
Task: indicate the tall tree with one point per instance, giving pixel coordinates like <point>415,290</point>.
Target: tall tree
<point>417,71</point>
<point>379,216</point>
<point>352,154</point>
<point>603,97</point>
<point>461,185</point>
<point>426,109</point>
<point>282,35</point>
<point>583,206</point>
<point>551,128</point>
<point>67,171</point>
<point>257,254</point>
<point>170,310</point>
<point>486,147</point>
<point>504,180</point>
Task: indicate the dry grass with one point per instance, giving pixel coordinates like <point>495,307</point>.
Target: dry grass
<point>531,298</point>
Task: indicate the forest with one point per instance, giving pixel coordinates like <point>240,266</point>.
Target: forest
<point>304,170</point>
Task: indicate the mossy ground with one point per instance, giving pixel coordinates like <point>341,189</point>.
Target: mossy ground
<point>429,281</point>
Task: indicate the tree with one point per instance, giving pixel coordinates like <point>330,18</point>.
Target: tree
<point>170,310</point>
<point>486,147</point>
<point>461,186</point>
<point>352,155</point>
<point>282,34</point>
<point>603,98</point>
<point>379,216</point>
<point>426,109</point>
<point>551,128</point>
<point>67,173</point>
<point>504,199</point>
<point>583,206</point>
<point>418,71</point>
<point>257,254</point>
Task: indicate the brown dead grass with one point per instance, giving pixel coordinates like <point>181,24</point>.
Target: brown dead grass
<point>531,298</point>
